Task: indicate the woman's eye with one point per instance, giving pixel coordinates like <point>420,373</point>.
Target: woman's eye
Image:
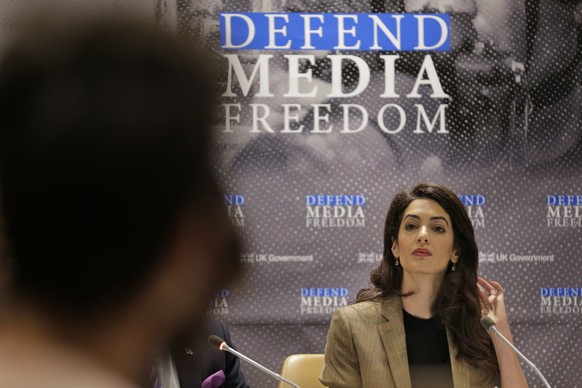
<point>409,227</point>
<point>439,229</point>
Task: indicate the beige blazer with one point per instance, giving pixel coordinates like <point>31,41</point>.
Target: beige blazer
<point>366,348</point>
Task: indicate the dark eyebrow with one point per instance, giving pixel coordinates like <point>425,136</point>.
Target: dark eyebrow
<point>431,218</point>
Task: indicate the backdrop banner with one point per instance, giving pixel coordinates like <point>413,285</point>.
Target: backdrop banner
<point>329,108</point>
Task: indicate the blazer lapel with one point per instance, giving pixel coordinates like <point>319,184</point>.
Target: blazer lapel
<point>394,340</point>
<point>461,370</point>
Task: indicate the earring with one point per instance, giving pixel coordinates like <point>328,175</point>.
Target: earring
<point>397,262</point>
<point>454,267</point>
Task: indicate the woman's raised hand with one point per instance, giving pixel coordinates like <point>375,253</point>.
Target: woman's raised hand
<point>493,303</point>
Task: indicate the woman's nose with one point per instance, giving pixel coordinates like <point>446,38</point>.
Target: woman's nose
<point>423,234</point>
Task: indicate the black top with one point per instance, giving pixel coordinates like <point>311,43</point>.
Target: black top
<point>426,340</point>
<point>428,352</point>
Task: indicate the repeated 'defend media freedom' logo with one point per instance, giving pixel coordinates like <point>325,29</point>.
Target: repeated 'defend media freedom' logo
<point>561,300</point>
<point>219,304</point>
<point>234,207</point>
<point>564,211</point>
<point>335,211</point>
<point>475,205</point>
<point>322,301</point>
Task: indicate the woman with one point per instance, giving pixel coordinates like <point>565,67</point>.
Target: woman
<point>420,317</point>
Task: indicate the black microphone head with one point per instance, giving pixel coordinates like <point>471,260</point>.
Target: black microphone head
<point>487,323</point>
<point>215,341</point>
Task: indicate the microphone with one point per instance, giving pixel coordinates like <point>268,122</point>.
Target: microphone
<point>220,344</point>
<point>490,326</point>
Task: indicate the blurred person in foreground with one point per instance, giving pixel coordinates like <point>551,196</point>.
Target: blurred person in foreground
<point>113,217</point>
<point>418,324</point>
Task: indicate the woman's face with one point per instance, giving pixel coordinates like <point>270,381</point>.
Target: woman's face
<point>425,239</point>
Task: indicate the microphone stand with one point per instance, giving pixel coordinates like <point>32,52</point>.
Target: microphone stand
<point>489,325</point>
<point>227,348</point>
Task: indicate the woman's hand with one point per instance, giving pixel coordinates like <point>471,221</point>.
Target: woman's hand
<point>493,306</point>
<point>493,303</point>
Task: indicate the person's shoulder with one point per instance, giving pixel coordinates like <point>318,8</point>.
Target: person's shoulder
<point>361,310</point>
<point>60,369</point>
<point>216,327</point>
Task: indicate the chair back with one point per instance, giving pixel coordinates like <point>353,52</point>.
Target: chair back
<point>303,369</point>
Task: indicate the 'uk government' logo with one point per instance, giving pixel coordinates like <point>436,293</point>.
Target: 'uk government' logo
<point>369,257</point>
<point>335,211</point>
<point>219,305</point>
<point>234,207</point>
<point>501,257</point>
<point>475,204</point>
<point>564,211</point>
<point>268,258</point>
<point>561,300</point>
<point>322,300</point>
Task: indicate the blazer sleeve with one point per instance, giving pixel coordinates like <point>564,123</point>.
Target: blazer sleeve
<point>341,368</point>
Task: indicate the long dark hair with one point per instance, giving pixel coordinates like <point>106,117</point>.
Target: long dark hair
<point>457,305</point>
